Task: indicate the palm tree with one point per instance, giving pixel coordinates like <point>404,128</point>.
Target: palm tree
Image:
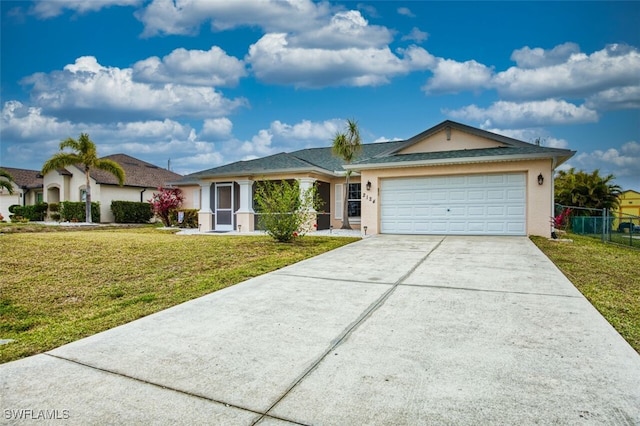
<point>84,155</point>
<point>581,189</point>
<point>6,182</point>
<point>346,145</point>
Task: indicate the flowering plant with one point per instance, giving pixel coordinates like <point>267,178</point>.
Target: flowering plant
<point>165,201</point>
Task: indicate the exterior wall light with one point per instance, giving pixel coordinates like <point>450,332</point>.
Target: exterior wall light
<point>368,185</point>
<point>540,179</point>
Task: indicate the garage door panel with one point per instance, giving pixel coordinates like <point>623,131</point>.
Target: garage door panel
<point>515,211</point>
<point>496,227</point>
<point>458,195</point>
<point>475,205</point>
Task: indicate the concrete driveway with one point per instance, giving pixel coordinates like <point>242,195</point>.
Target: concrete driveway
<point>389,330</point>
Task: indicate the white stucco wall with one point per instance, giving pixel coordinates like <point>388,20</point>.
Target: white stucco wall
<point>7,200</point>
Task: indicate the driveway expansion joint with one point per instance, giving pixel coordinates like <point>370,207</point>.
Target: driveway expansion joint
<point>352,327</point>
<point>173,389</point>
<point>487,290</point>
<point>346,280</point>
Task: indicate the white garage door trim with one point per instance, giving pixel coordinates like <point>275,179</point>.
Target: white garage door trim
<point>478,204</point>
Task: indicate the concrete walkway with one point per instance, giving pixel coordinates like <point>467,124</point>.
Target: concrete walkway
<point>388,330</point>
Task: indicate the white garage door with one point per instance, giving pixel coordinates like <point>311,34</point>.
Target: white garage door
<point>458,205</point>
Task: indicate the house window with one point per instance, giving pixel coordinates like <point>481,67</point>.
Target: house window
<point>83,195</point>
<point>354,198</point>
<point>39,197</point>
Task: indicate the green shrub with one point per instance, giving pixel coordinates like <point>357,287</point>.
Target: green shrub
<point>189,218</point>
<point>131,211</point>
<point>75,211</point>
<point>284,212</point>
<point>54,207</point>
<point>36,212</point>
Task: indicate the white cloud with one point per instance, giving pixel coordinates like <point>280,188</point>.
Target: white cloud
<point>416,35</point>
<point>32,137</point>
<point>284,137</point>
<point>622,162</point>
<point>616,98</point>
<point>307,130</point>
<point>274,61</point>
<point>90,91</point>
<point>406,12</point>
<point>217,127</point>
<point>538,57</point>
<point>259,146</point>
<point>191,67</point>
<point>532,135</point>
<point>450,76</point>
<point>45,9</point>
<point>345,29</point>
<point>185,17</point>
<point>580,75</point>
<point>28,124</point>
<point>526,114</point>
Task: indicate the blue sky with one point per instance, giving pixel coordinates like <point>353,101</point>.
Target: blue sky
<point>204,83</point>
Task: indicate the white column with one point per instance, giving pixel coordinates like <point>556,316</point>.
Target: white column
<point>305,185</point>
<point>245,213</point>
<point>205,197</point>
<point>246,196</point>
<point>205,215</point>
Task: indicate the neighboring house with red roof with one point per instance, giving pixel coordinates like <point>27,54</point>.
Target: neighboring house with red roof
<point>27,189</point>
<point>142,180</point>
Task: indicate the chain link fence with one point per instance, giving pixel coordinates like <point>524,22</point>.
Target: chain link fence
<point>599,223</point>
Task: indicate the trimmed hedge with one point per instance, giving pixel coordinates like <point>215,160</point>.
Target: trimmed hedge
<point>189,218</point>
<point>131,211</point>
<point>36,212</point>
<point>75,211</point>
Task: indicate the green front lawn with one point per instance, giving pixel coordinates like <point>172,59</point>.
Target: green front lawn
<point>607,275</point>
<point>58,287</point>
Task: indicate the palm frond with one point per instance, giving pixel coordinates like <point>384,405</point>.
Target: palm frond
<point>60,160</point>
<point>113,168</point>
<point>6,181</point>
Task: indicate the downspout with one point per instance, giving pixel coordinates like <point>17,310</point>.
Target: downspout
<point>141,197</point>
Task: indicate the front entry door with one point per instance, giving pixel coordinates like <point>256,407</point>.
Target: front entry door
<point>224,207</point>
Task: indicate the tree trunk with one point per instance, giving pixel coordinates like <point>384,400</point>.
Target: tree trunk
<point>345,205</point>
<point>87,207</point>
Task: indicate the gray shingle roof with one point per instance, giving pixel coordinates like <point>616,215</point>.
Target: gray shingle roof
<point>322,159</point>
<point>311,159</point>
<point>24,178</point>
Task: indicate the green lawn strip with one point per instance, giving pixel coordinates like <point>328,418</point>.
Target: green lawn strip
<point>59,287</point>
<point>607,275</point>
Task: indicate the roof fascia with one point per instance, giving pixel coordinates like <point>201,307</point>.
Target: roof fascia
<point>264,173</point>
<point>468,160</point>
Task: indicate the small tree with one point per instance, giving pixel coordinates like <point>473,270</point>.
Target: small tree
<point>346,145</point>
<point>165,202</point>
<point>285,212</point>
<point>589,190</point>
